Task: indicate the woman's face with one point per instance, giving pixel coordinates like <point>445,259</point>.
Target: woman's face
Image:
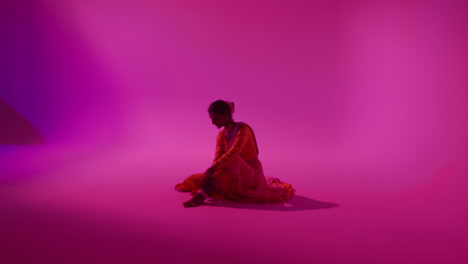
<point>219,120</point>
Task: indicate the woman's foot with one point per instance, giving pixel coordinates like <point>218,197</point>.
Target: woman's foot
<point>197,200</point>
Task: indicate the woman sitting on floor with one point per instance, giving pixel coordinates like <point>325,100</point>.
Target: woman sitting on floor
<point>236,174</point>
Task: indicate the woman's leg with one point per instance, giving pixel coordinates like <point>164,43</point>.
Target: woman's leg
<point>191,183</point>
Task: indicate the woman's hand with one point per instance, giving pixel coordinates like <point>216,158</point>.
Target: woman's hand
<point>208,181</point>
<point>209,172</point>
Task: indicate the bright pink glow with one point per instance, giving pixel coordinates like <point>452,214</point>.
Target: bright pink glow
<point>358,103</point>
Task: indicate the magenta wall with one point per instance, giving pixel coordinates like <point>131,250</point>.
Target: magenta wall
<point>361,84</point>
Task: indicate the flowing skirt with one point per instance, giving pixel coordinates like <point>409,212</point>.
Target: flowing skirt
<point>242,181</point>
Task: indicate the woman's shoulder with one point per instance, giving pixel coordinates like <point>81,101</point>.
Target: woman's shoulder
<point>245,127</point>
<point>242,125</point>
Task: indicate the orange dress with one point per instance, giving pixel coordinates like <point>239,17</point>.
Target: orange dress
<point>238,173</point>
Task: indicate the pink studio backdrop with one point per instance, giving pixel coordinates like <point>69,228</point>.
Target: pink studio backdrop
<point>352,97</point>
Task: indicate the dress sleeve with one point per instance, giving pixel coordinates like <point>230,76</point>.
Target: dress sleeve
<point>238,144</point>
<point>219,152</point>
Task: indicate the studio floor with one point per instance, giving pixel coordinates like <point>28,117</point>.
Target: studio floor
<point>119,206</point>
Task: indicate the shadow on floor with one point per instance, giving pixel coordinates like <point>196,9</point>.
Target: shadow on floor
<point>297,203</point>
